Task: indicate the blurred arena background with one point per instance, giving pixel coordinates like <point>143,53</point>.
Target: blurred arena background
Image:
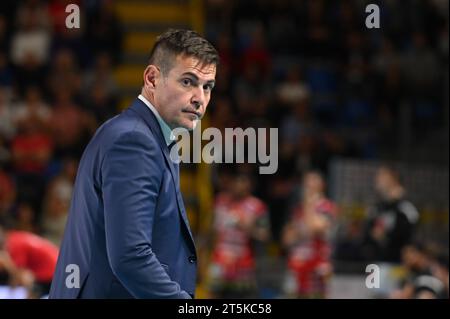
<point>347,101</point>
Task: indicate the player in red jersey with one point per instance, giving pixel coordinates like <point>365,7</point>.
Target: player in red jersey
<point>240,219</point>
<point>29,259</point>
<point>307,240</point>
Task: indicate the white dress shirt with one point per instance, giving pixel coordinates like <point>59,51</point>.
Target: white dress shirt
<point>166,130</point>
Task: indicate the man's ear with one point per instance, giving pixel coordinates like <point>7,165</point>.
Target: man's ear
<point>151,75</point>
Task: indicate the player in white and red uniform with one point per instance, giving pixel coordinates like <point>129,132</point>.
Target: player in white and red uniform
<point>240,218</point>
<point>306,237</point>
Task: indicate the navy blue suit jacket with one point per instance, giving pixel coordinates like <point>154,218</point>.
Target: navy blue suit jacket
<point>127,230</point>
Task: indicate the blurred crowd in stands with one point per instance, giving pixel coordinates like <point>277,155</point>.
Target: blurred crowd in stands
<point>334,89</point>
<point>310,68</point>
<point>56,88</point>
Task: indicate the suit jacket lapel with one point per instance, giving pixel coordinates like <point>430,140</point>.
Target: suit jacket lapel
<point>148,116</point>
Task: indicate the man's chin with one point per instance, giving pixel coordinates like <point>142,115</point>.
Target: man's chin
<point>189,125</point>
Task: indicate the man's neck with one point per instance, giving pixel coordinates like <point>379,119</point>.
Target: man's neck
<point>165,128</point>
<point>149,97</point>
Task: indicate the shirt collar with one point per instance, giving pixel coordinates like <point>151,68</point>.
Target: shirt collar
<point>166,130</point>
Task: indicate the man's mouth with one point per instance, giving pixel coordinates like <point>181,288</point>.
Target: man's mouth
<point>197,114</point>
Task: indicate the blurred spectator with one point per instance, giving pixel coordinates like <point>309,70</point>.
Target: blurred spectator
<point>421,77</point>
<point>322,80</point>
<point>387,57</point>
<point>298,124</point>
<point>222,114</point>
<point>8,193</point>
<point>297,132</point>
<point>316,34</point>
<point>240,219</point>
<point>307,239</point>
<point>227,64</point>
<point>105,31</point>
<point>100,104</point>
<point>30,44</point>
<point>69,38</point>
<point>422,80</point>
<point>276,189</point>
<point>281,32</point>
<point>249,88</point>
<point>348,248</point>
<point>330,144</point>
<point>10,275</point>
<point>346,19</point>
<point>357,95</point>
<point>223,82</point>
<point>33,109</point>
<point>390,99</point>
<point>70,125</point>
<point>57,202</point>
<point>257,54</point>
<point>6,74</point>
<point>391,222</point>
<point>5,154</point>
<point>225,49</point>
<point>439,269</point>
<point>7,117</point>
<point>33,10</point>
<point>30,48</point>
<point>4,35</point>
<point>101,88</point>
<point>443,42</point>
<point>31,151</point>
<point>64,74</point>
<point>420,282</point>
<point>101,74</point>
<point>26,218</point>
<point>33,254</point>
<point>293,90</point>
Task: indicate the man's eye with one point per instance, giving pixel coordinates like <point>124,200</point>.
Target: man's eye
<point>186,82</point>
<point>207,87</point>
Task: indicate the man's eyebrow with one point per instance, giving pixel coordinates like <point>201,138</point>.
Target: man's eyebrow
<point>196,77</point>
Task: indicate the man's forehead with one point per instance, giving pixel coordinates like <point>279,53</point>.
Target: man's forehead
<point>191,64</point>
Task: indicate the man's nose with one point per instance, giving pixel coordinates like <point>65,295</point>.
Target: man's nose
<point>198,99</point>
<point>196,104</point>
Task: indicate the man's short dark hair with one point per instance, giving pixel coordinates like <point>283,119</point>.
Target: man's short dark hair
<point>175,42</point>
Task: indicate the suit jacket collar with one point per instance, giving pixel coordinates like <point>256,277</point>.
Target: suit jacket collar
<point>150,119</point>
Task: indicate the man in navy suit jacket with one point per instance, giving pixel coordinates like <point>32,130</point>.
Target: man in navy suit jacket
<point>127,234</point>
